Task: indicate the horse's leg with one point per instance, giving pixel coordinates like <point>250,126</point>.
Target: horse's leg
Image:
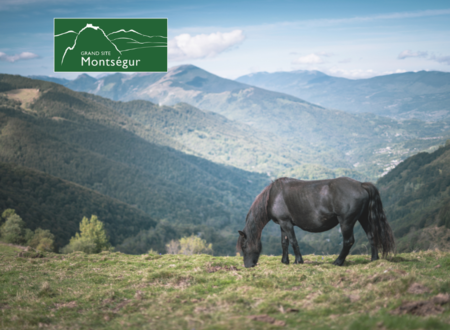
<point>288,228</point>
<point>347,234</point>
<point>285,246</point>
<point>374,249</point>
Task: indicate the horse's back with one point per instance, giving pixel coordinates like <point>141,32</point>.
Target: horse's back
<point>315,205</point>
<point>337,185</point>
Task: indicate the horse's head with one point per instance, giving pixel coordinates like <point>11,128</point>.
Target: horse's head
<point>250,250</point>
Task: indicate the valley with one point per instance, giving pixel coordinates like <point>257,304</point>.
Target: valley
<point>191,168</point>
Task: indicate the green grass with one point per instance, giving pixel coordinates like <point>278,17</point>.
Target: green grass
<point>117,291</point>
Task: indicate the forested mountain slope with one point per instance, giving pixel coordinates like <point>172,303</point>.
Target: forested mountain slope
<point>416,196</point>
<point>335,139</point>
<point>68,136</point>
<point>51,203</point>
<point>219,139</point>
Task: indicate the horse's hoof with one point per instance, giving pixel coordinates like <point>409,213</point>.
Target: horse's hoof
<point>299,261</point>
<point>286,262</point>
<point>338,262</point>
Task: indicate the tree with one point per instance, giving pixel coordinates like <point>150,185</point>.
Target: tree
<point>13,229</point>
<point>7,213</point>
<point>91,239</point>
<point>194,245</point>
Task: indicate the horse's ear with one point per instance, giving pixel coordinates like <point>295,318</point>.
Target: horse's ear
<point>242,234</point>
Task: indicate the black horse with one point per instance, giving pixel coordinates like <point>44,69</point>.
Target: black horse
<point>316,206</point>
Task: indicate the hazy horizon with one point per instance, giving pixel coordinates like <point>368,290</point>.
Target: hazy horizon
<point>348,39</point>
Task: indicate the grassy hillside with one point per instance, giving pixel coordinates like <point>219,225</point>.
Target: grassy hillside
<point>423,95</point>
<point>113,291</point>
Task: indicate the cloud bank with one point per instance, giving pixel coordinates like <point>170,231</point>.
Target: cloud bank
<point>187,47</point>
<point>409,53</point>
<point>17,57</point>
<point>431,57</point>
<point>314,58</point>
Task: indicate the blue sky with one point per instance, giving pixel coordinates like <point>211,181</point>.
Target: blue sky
<point>354,39</point>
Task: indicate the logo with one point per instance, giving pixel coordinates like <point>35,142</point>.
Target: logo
<point>110,45</point>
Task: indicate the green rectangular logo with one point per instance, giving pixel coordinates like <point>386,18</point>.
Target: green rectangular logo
<point>110,44</point>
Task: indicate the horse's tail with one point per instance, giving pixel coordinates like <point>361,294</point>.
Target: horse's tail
<point>379,227</point>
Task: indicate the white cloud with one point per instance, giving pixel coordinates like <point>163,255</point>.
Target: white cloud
<point>359,73</point>
<point>17,57</point>
<point>325,54</point>
<point>187,47</point>
<point>440,59</point>
<point>308,59</point>
<point>430,57</point>
<point>409,53</point>
<point>352,73</point>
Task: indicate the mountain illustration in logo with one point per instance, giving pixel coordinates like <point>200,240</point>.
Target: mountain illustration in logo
<point>130,40</point>
<point>89,38</point>
<point>93,39</point>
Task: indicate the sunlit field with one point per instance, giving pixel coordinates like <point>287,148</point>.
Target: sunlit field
<point>117,291</point>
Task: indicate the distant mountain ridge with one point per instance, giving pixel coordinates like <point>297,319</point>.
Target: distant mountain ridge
<point>335,139</point>
<point>423,95</point>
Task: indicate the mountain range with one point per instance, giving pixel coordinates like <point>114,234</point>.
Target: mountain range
<point>191,170</point>
<point>423,95</point>
<point>304,132</point>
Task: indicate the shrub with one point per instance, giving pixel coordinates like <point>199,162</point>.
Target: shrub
<point>194,245</point>
<point>80,244</point>
<point>28,236</point>
<point>173,247</point>
<point>91,239</point>
<point>7,213</point>
<point>42,240</point>
<point>13,229</point>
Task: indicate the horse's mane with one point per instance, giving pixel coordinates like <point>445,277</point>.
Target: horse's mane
<point>257,216</point>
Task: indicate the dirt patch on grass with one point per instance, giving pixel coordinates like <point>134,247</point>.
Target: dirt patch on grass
<point>107,301</point>
<point>268,319</point>
<point>423,308</point>
<point>213,269</point>
<point>4,306</point>
<point>71,304</point>
<point>181,283</point>
<point>354,297</point>
<point>121,305</point>
<point>417,288</point>
<point>383,277</point>
<point>30,254</point>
